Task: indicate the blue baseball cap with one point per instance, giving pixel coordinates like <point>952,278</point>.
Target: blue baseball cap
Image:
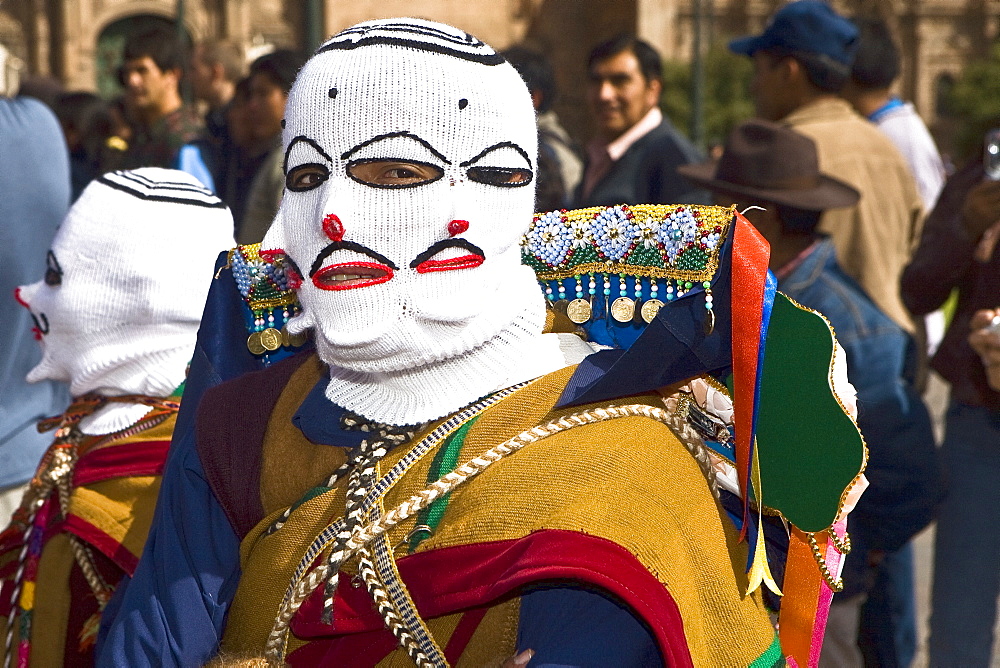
<point>806,25</point>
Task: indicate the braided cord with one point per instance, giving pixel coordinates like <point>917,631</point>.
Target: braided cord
<point>354,490</point>
<point>404,620</point>
<point>475,466</point>
<point>279,634</point>
<point>408,635</point>
<point>55,473</point>
<point>362,536</point>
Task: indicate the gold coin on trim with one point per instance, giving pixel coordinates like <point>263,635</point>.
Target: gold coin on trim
<point>292,340</point>
<point>254,345</point>
<point>578,311</point>
<point>650,308</point>
<point>560,305</point>
<point>709,322</point>
<point>270,338</point>
<point>623,309</point>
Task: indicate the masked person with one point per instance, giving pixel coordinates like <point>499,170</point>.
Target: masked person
<point>410,153</point>
<point>116,313</point>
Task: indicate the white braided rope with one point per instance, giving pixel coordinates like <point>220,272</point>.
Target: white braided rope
<point>392,616</point>
<point>278,639</point>
<point>363,467</point>
<point>401,615</point>
<point>355,492</point>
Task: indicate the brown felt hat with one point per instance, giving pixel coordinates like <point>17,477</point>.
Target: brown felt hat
<point>772,163</point>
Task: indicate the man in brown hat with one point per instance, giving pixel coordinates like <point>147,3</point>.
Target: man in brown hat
<point>774,170</point>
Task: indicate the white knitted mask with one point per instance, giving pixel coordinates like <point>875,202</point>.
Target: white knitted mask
<point>439,259</point>
<point>118,310</point>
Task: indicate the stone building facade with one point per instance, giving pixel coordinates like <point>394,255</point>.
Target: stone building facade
<point>75,41</point>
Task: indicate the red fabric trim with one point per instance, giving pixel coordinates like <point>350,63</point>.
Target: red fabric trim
<point>83,604</point>
<point>141,458</point>
<point>357,649</point>
<point>6,591</point>
<point>750,258</point>
<point>449,580</point>
<point>462,634</point>
<point>11,538</point>
<point>107,545</point>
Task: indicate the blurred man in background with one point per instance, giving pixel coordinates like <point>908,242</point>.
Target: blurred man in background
<point>252,177</point>
<point>876,66</point>
<point>151,72</point>
<point>634,158</point>
<point>775,169</point>
<point>216,66</point>
<point>559,164</point>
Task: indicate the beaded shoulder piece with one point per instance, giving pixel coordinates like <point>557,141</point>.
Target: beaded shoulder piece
<point>578,254</point>
<point>270,302</point>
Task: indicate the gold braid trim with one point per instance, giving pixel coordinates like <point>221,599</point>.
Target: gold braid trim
<point>277,642</point>
<point>836,584</point>
<point>844,547</point>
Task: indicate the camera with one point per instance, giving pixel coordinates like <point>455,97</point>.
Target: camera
<point>991,154</point>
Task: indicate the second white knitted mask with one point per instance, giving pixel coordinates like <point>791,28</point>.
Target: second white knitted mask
<point>129,269</point>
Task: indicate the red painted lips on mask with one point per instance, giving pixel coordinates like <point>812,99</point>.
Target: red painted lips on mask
<point>350,275</point>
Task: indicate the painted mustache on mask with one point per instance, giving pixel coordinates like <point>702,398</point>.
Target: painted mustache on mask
<point>350,275</point>
<point>41,322</point>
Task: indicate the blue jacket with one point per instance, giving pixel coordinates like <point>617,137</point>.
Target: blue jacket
<point>34,198</point>
<point>902,465</point>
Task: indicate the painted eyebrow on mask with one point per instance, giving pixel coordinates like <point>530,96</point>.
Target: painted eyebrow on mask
<point>348,245</point>
<point>302,139</point>
<point>497,147</point>
<point>391,135</point>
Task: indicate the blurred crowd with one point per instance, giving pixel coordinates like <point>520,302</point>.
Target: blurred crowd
<point>227,132</point>
<point>901,259</point>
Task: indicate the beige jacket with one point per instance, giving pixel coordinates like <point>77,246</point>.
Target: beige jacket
<point>875,238</point>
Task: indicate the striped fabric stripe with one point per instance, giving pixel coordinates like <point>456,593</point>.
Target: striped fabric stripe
<point>444,462</point>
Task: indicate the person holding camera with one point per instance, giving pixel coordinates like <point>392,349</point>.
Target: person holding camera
<point>957,252</point>
<point>985,340</point>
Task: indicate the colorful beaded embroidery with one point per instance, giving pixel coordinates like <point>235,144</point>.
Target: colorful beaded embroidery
<point>271,302</point>
<point>679,242</point>
<point>632,248</point>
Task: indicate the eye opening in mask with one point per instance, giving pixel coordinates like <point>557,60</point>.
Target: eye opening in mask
<point>306,176</point>
<point>505,177</point>
<point>393,172</point>
<point>53,272</point>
